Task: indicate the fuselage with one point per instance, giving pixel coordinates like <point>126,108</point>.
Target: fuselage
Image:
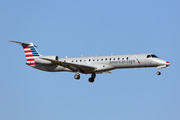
<point>108,62</point>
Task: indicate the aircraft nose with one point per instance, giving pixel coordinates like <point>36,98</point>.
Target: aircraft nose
<point>168,63</point>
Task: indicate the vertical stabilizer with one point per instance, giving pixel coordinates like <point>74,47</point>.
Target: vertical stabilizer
<point>30,52</point>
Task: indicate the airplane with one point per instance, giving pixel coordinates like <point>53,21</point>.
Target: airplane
<point>90,65</point>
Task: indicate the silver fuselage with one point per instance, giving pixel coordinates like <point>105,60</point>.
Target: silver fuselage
<point>106,63</point>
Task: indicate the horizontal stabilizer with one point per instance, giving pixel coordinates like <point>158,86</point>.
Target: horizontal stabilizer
<point>21,43</point>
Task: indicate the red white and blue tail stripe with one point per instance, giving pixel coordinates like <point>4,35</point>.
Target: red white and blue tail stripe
<point>30,52</point>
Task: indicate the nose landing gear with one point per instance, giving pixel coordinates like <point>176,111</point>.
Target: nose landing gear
<point>161,67</point>
<point>158,72</point>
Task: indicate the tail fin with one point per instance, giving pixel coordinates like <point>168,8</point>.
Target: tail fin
<point>30,52</point>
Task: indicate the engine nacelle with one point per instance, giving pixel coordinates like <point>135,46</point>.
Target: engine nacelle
<point>42,61</point>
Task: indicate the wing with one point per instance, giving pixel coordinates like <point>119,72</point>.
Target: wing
<point>73,67</point>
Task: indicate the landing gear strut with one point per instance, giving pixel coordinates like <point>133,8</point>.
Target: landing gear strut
<point>91,79</point>
<point>158,72</point>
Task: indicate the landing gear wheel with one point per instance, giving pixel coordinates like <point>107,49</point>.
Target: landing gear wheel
<point>77,77</point>
<point>91,80</point>
<point>158,73</point>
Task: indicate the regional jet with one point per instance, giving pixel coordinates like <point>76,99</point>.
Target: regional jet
<point>90,65</point>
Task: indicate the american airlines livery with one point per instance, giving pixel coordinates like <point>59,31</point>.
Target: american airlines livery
<point>89,65</point>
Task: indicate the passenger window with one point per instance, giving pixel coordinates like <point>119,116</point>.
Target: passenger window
<point>93,59</point>
<point>114,58</point>
<point>101,59</point>
<point>118,58</point>
<point>76,60</point>
<point>106,59</point>
<point>109,58</point>
<point>89,59</point>
<point>80,60</point>
<point>72,60</point>
<point>127,58</point>
<point>84,60</point>
<point>122,58</point>
<point>97,59</point>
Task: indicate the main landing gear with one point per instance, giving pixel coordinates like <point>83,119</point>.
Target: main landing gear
<point>91,79</point>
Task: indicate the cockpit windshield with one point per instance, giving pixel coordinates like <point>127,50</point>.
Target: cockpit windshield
<point>152,55</point>
<point>148,56</point>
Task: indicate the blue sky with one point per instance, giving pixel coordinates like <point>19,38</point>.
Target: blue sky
<point>96,27</point>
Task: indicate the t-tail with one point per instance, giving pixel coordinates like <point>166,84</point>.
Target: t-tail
<point>30,52</point>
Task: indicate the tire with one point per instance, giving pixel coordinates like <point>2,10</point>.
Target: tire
<point>158,73</point>
<point>77,77</point>
<point>91,80</point>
